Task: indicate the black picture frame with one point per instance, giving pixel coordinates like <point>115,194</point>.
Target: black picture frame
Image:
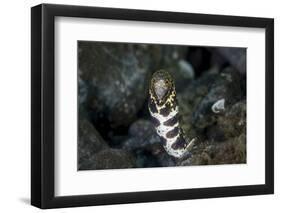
<point>43,102</point>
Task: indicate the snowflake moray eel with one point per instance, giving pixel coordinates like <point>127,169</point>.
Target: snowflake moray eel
<point>164,109</point>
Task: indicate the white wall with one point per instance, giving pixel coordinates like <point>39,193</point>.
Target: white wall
<point>15,105</point>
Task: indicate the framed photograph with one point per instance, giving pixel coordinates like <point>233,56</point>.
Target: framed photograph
<point>139,106</point>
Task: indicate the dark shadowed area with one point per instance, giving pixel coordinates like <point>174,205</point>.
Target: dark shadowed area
<point>115,128</point>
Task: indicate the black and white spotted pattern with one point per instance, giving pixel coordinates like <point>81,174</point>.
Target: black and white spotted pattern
<point>164,112</point>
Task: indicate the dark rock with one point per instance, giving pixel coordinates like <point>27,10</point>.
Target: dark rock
<point>231,124</point>
<point>226,86</point>
<point>171,55</point>
<point>182,73</point>
<point>190,98</point>
<point>142,134</point>
<point>235,56</point>
<point>174,60</point>
<point>83,91</point>
<point>200,59</point>
<point>186,69</point>
<point>147,145</point>
<point>116,140</point>
<point>141,128</point>
<point>110,159</point>
<point>144,159</point>
<point>232,151</point>
<point>89,142</point>
<point>117,75</point>
<point>147,159</point>
<point>221,133</point>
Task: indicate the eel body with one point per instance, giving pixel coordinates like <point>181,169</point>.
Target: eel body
<point>164,109</point>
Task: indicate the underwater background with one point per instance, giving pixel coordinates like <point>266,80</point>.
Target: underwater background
<point>115,129</point>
